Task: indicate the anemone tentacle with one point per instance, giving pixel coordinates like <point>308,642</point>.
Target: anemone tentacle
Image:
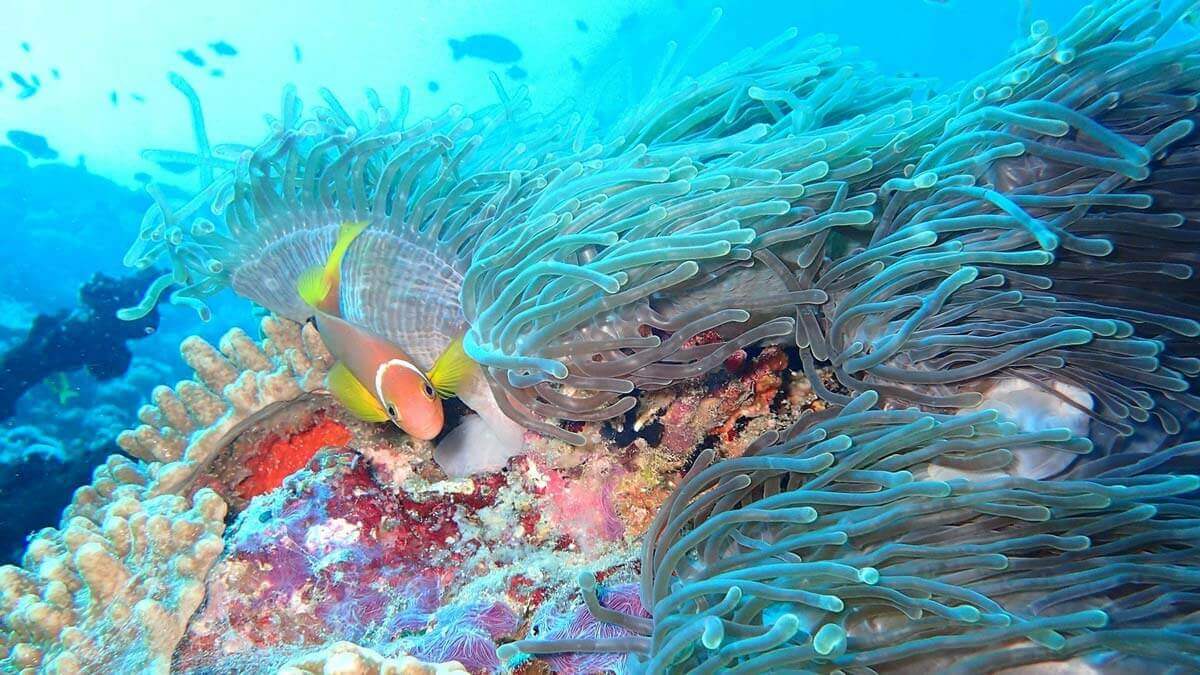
<point>541,243</point>
<point>922,246</point>
<point>868,538</point>
<point>1048,235</point>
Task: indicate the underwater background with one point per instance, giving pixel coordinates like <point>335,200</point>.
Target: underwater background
<point>85,88</point>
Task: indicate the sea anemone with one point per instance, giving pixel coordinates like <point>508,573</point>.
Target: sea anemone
<point>863,538</point>
<point>987,228</point>
<point>579,269</point>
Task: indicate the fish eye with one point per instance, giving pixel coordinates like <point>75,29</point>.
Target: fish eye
<point>428,390</point>
<point>391,411</point>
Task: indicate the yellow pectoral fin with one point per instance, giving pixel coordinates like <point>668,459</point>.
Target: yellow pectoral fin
<point>451,369</point>
<point>358,399</point>
<point>313,285</point>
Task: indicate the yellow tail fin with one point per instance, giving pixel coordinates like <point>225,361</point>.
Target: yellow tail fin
<point>451,369</point>
<point>357,398</point>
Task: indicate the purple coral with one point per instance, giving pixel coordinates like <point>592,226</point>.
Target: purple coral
<point>582,625</point>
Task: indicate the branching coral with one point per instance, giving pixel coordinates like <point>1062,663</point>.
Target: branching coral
<point>112,592</point>
<point>235,387</point>
<point>828,547</point>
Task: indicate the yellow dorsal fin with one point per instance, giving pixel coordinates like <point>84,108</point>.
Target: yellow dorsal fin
<point>313,285</point>
<point>356,397</point>
<point>451,369</point>
<point>316,282</point>
<point>346,235</point>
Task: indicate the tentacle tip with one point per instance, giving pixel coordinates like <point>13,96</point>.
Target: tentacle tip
<point>586,581</point>
<point>508,652</point>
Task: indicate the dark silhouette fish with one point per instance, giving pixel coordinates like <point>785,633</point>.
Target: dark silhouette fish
<point>223,48</point>
<point>486,46</point>
<point>516,72</point>
<point>581,25</point>
<point>434,86</point>
<point>191,57</point>
<point>32,144</point>
<point>217,72</point>
<point>27,89</point>
<point>113,97</point>
<point>296,52</point>
<point>25,46</point>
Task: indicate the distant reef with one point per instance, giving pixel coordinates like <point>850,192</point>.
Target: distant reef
<point>90,336</point>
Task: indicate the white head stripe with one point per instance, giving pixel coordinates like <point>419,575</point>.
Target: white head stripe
<point>379,372</point>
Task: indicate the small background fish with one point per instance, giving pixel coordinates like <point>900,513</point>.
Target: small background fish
<point>486,46</point>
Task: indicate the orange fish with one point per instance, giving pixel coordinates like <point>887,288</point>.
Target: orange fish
<point>375,379</point>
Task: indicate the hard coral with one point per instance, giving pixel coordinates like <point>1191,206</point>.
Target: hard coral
<point>347,658</point>
<point>111,593</point>
<point>236,387</point>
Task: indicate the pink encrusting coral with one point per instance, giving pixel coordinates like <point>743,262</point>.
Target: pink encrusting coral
<point>440,571</point>
<point>584,506</point>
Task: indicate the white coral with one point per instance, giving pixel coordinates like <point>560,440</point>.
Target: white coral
<point>187,425</point>
<point>113,588</point>
<point>347,658</point>
<point>112,591</point>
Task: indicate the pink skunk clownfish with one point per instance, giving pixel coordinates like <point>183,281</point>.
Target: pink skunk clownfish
<point>376,380</point>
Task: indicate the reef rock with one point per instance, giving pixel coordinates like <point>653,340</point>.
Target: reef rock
<point>441,570</point>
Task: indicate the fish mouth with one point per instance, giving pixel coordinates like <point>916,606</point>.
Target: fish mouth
<point>424,433</point>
